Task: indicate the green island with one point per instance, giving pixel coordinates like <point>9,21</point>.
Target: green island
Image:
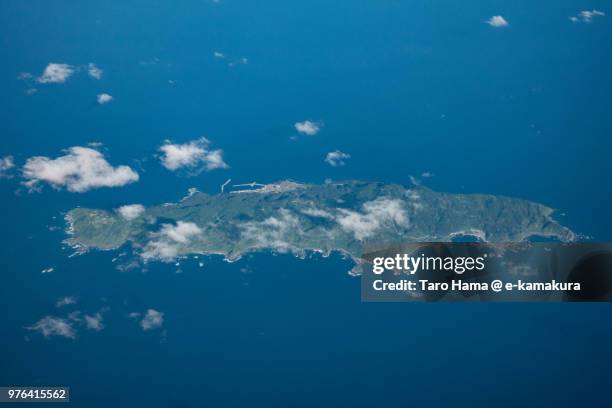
<point>293,217</point>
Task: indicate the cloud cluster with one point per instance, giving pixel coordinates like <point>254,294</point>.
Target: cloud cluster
<point>165,243</point>
<point>94,322</point>
<point>497,21</point>
<point>130,212</point>
<point>104,98</point>
<point>376,214</point>
<point>307,127</point>
<point>414,199</point>
<point>281,230</point>
<point>54,326</point>
<point>273,232</point>
<point>221,56</point>
<point>50,326</point>
<point>194,155</point>
<point>586,16</point>
<point>241,61</point>
<point>317,213</point>
<point>93,71</point>
<point>6,164</point>
<point>65,301</point>
<point>80,170</point>
<point>181,232</point>
<point>337,158</point>
<point>152,320</point>
<point>56,73</point>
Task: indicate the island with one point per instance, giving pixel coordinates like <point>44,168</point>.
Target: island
<point>298,218</point>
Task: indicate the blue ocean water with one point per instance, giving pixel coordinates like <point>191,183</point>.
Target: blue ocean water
<point>404,88</point>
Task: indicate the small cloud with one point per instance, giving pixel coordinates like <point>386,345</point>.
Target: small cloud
<point>65,301</point>
<point>586,16</point>
<point>241,61</point>
<point>427,174</point>
<point>181,232</point>
<point>307,127</point>
<point>317,213</point>
<point>6,164</point>
<point>75,316</point>
<point>150,61</point>
<point>95,322</point>
<point>219,55</point>
<point>93,71</point>
<point>337,158</point>
<point>152,320</point>
<point>194,155</point>
<point>80,170</point>
<point>274,232</point>
<point>23,76</point>
<point>48,270</point>
<point>131,212</point>
<point>376,214</point>
<point>165,243</point>
<point>56,73</point>
<point>497,21</point>
<point>54,326</point>
<point>104,98</point>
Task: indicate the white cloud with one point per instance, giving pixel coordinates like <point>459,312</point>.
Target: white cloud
<point>219,55</point>
<point>131,212</point>
<point>497,21</point>
<point>56,73</point>
<point>75,316</point>
<point>414,199</point>
<point>66,300</point>
<point>194,155</point>
<point>80,170</point>
<point>165,243</point>
<point>6,164</point>
<point>241,61</point>
<point>24,76</point>
<point>93,71</point>
<point>377,213</point>
<point>586,16</point>
<point>94,322</point>
<point>161,250</point>
<point>181,232</point>
<point>317,212</point>
<point>307,127</point>
<point>152,320</point>
<point>337,158</point>
<point>273,232</point>
<point>104,98</point>
<point>54,326</point>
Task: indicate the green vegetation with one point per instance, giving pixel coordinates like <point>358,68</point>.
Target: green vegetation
<point>295,217</point>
